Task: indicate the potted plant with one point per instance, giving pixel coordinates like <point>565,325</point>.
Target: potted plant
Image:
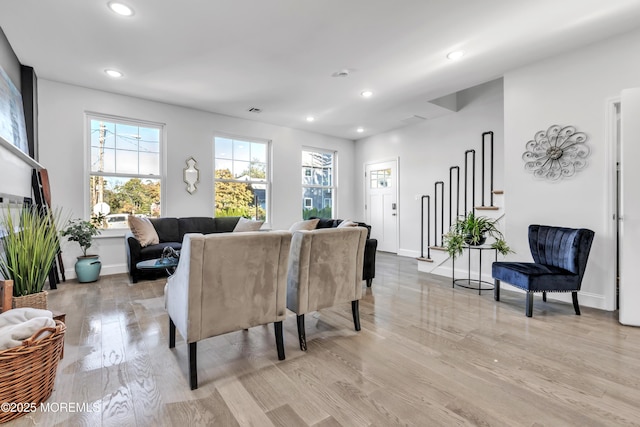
<point>474,230</point>
<point>87,266</point>
<point>30,243</point>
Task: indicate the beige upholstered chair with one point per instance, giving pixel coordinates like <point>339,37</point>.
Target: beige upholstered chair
<point>226,282</point>
<point>325,269</point>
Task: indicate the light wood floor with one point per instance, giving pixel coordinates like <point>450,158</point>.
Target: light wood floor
<point>427,355</point>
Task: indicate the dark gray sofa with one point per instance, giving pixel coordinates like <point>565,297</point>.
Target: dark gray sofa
<point>170,233</point>
<point>371,245</point>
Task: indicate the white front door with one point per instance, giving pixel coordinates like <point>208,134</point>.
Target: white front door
<point>381,204</point>
<point>629,207</point>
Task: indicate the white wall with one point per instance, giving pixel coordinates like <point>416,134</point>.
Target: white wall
<point>189,132</point>
<point>571,89</point>
<point>426,151</point>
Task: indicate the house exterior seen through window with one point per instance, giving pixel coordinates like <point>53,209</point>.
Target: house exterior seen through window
<point>125,176</point>
<point>318,183</point>
<point>241,179</point>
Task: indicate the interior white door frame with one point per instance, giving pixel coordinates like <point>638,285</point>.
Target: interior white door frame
<point>611,157</point>
<point>396,160</point>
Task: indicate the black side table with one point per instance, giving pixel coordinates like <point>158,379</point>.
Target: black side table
<point>479,284</point>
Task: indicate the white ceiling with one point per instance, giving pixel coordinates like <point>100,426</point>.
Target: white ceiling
<point>226,56</point>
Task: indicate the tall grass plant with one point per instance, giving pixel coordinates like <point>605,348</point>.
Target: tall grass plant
<point>29,247</point>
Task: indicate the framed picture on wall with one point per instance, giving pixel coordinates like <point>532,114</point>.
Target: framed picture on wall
<point>12,125</point>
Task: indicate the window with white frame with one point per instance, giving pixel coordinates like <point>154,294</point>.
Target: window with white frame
<point>125,170</point>
<point>241,178</point>
<point>318,183</point>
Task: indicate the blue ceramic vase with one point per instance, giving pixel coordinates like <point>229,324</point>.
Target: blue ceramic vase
<point>88,268</point>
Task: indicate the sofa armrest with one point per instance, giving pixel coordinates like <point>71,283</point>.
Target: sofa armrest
<point>369,269</point>
<point>133,248</point>
<point>177,290</point>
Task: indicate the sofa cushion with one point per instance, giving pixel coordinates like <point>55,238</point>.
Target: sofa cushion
<point>247,225</point>
<point>144,230</point>
<point>195,224</point>
<point>167,229</point>
<point>309,224</point>
<point>347,223</point>
<point>225,224</point>
<point>325,222</point>
<point>155,251</point>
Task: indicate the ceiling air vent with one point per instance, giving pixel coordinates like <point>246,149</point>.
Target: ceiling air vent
<point>341,73</point>
<point>254,110</point>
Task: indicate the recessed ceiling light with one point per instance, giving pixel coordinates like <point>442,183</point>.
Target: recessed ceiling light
<point>360,130</point>
<point>456,54</point>
<point>366,93</point>
<point>310,118</point>
<point>113,73</point>
<point>120,9</point>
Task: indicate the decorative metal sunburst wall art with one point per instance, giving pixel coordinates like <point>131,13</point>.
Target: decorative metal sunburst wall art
<point>557,152</point>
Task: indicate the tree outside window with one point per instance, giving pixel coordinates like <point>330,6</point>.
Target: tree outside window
<point>241,178</point>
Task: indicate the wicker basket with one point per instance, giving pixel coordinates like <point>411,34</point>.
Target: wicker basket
<point>28,372</point>
<point>37,300</point>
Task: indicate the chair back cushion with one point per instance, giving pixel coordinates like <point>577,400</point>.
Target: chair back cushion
<point>225,282</point>
<point>325,268</point>
<point>566,248</point>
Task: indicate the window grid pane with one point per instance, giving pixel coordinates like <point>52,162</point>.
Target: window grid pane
<point>317,184</point>
<point>125,170</point>
<point>241,178</point>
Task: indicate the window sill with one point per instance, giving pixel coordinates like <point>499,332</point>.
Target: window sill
<point>112,234</point>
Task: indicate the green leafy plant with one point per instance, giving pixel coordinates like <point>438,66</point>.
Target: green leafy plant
<point>29,248</point>
<point>473,230</point>
<point>81,231</point>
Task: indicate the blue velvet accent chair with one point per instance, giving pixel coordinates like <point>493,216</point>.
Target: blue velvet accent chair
<point>560,258</point>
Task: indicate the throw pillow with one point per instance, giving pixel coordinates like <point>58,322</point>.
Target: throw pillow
<point>143,230</point>
<point>347,223</point>
<point>309,224</point>
<point>248,225</point>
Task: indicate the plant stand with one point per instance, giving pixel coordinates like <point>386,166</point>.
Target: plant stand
<point>469,283</point>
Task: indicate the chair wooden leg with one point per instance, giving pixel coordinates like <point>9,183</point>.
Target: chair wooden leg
<point>193,370</point>
<point>301,334</point>
<point>277,326</point>
<point>576,307</point>
<point>172,333</point>
<point>529,304</point>
<point>496,290</point>
<point>544,296</point>
<point>355,305</point>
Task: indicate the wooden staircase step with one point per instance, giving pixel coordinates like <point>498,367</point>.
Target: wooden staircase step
<point>487,208</point>
<point>498,191</point>
<point>438,248</point>
<point>424,259</point>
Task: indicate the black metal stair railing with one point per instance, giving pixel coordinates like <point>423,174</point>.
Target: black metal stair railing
<point>466,181</point>
<point>435,211</point>
<point>428,227</point>
<point>451,218</point>
<point>490,165</point>
<point>469,193</point>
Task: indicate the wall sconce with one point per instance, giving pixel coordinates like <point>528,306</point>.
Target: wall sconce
<point>191,175</point>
